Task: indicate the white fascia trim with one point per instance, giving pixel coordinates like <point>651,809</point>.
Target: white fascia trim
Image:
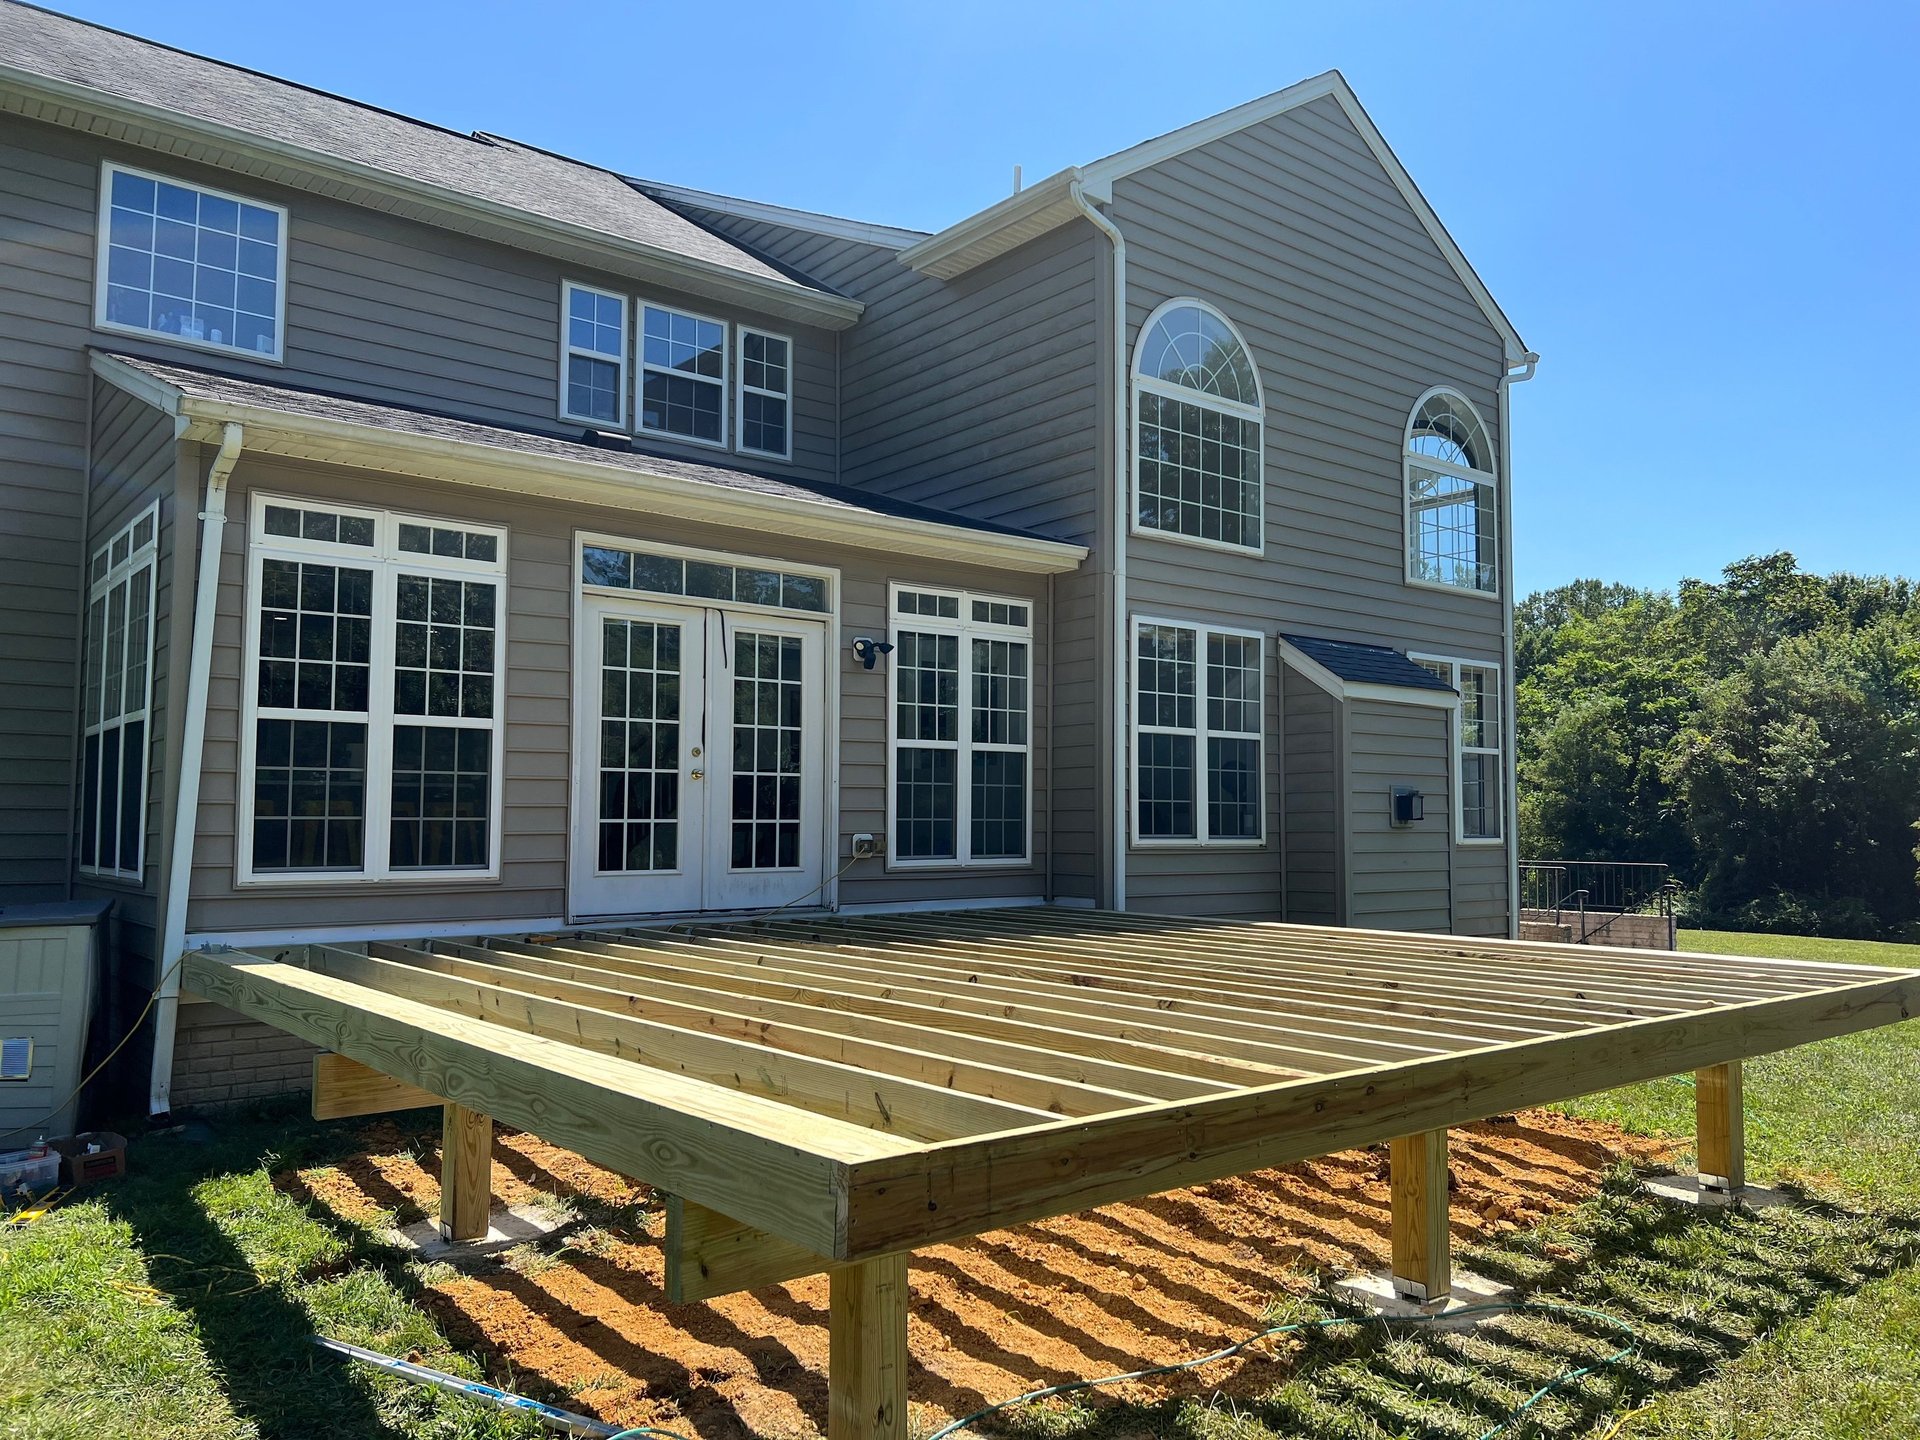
<point>349,934</point>
<point>919,907</point>
<point>864,232</point>
<point>834,312</point>
<point>1341,689</point>
<point>1022,216</point>
<point>1099,176</point>
<point>274,432</point>
<point>137,383</point>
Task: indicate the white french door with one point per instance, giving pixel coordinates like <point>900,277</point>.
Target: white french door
<point>699,759</point>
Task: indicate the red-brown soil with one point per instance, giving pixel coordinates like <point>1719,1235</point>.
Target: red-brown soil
<point>1120,1288</point>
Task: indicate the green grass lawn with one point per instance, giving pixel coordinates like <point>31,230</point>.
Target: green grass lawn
<point>178,1304</point>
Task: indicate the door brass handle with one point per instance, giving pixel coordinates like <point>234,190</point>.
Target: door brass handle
<point>697,775</point>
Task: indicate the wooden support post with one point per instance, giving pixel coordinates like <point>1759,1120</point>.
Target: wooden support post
<point>1720,1123</point>
<point>1422,1237</point>
<point>867,1350</point>
<point>466,1172</point>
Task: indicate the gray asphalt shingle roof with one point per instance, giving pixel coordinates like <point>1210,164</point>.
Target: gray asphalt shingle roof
<point>1367,664</point>
<point>531,181</point>
<point>289,400</point>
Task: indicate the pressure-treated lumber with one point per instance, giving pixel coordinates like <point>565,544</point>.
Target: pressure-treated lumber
<point>963,1187</point>
<point>344,1088</point>
<point>867,1350</point>
<point>1720,1116</point>
<point>1422,1238</point>
<point>466,1172</point>
<point>684,1136</point>
<point>711,1254</point>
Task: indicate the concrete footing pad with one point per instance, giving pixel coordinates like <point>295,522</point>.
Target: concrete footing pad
<point>506,1228</point>
<point>1376,1293</point>
<point>1687,1190</point>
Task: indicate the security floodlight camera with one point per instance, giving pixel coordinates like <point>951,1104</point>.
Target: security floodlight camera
<point>867,650</point>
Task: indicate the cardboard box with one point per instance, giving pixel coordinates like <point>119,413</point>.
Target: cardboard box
<point>91,1155</point>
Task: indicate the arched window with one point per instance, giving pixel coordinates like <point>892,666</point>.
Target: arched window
<point>1452,537</point>
<point>1197,429</point>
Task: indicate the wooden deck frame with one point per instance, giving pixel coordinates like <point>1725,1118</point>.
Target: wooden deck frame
<point>832,1094</point>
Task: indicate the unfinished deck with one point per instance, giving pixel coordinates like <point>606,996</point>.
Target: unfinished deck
<point>830,1094</point>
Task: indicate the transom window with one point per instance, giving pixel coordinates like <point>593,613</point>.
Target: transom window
<point>1452,529</point>
<point>1477,742</point>
<point>118,699</point>
<point>683,375</point>
<point>766,394</point>
<point>960,726</point>
<point>666,573</point>
<point>593,385</point>
<point>374,693</point>
<point>1197,429</point>
<point>1198,736</point>
<point>191,264</point>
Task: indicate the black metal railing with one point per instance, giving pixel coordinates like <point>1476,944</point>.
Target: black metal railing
<point>1589,895</point>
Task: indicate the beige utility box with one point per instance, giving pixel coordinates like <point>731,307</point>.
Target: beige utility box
<point>48,955</point>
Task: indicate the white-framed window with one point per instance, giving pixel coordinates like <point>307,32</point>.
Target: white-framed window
<point>1199,738</point>
<point>118,699</point>
<point>1452,497</point>
<point>766,394</point>
<point>190,264</point>
<point>1198,426</point>
<point>683,375</point>
<point>372,740</point>
<point>1479,779</point>
<point>593,356</point>
<point>960,728</point>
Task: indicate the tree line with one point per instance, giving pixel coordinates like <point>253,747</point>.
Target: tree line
<point>1760,734</point>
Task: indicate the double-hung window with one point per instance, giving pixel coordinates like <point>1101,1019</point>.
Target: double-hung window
<point>1198,735</point>
<point>374,690</point>
<point>1198,420</point>
<point>683,375</point>
<point>961,728</point>
<point>118,699</point>
<point>1477,742</point>
<point>766,394</point>
<point>190,264</point>
<point>593,383</point>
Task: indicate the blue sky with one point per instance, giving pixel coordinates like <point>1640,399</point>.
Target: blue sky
<point>1702,215</point>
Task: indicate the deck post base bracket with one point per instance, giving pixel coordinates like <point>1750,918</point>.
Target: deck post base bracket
<point>1686,1190</point>
<point>1382,1294</point>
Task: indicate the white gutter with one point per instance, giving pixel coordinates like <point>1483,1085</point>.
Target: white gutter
<point>1508,709</point>
<point>1118,495</point>
<point>186,813</point>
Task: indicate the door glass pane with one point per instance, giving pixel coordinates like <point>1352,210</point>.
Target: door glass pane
<point>766,751</point>
<point>639,816</point>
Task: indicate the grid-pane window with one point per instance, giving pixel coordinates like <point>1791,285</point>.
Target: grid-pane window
<point>1199,742</point>
<point>190,264</point>
<point>1452,509</point>
<point>962,723</point>
<point>683,375</point>
<point>1478,741</point>
<point>766,394</point>
<point>607,567</point>
<point>640,700</point>
<point>118,700</point>
<point>1197,430</point>
<point>594,356</point>
<point>374,693</point>
<point>767,750</point>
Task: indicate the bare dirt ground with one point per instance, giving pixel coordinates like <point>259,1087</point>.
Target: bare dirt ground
<point>1116,1289</point>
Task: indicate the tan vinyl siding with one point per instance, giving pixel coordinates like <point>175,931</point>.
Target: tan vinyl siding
<point>1296,234</point>
<point>43,449</point>
<point>1397,878</point>
<point>1313,809</point>
<point>538,650</point>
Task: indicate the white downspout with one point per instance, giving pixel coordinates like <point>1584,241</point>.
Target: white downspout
<point>1120,496</point>
<point>1511,750</point>
<point>186,814</point>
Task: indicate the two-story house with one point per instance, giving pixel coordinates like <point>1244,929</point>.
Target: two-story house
<point>416,533</point>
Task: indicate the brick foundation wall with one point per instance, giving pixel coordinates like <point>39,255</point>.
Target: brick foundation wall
<point>221,1058</point>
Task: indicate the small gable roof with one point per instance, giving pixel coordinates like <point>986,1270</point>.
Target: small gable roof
<point>1351,663</point>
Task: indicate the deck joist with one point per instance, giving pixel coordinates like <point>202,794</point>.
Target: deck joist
<point>815,1092</point>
